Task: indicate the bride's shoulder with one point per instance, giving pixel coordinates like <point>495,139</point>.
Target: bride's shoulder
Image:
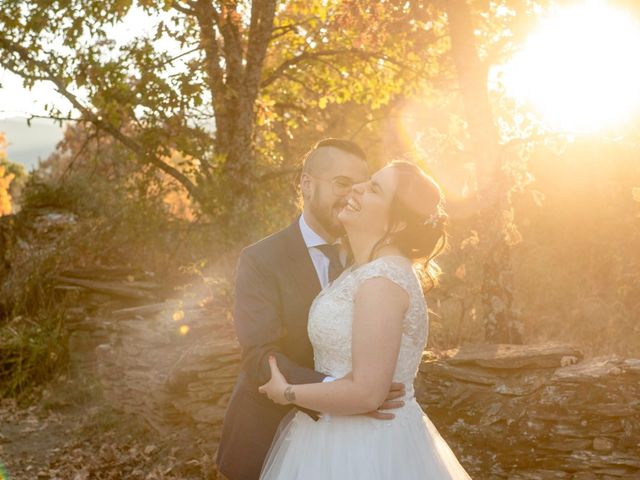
<point>396,268</point>
<point>389,262</point>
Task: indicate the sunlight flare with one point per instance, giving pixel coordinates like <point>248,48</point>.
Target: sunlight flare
<point>579,70</point>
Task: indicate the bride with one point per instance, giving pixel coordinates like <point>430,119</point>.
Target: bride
<point>368,329</point>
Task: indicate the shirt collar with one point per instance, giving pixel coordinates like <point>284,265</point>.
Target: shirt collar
<point>310,237</point>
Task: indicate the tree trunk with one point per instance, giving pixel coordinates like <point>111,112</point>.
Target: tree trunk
<point>234,92</point>
<point>500,319</point>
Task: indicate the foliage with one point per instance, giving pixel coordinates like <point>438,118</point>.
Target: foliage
<point>32,351</point>
<point>118,214</point>
<point>139,215</point>
<point>225,85</point>
<point>5,197</point>
<point>575,271</point>
<point>32,336</point>
<point>11,178</point>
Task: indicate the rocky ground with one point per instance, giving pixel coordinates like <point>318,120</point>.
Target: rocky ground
<point>69,432</point>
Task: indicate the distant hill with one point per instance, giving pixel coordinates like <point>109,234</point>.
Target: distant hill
<point>28,144</point>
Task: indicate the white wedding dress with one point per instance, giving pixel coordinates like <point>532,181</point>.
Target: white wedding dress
<point>357,447</point>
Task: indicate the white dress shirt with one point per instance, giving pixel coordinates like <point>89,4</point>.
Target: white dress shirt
<point>319,259</point>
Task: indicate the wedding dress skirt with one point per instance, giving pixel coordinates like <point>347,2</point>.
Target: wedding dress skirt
<point>357,447</point>
<point>362,448</point>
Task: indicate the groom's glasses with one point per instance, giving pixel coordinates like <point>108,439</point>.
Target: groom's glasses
<point>339,185</point>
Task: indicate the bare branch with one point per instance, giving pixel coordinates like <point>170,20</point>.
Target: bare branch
<point>183,9</point>
<point>262,15</point>
<point>215,75</point>
<point>290,106</point>
<point>303,85</point>
<point>77,155</point>
<point>173,59</point>
<point>314,55</point>
<point>279,173</point>
<point>232,46</point>
<point>319,54</point>
<point>284,29</point>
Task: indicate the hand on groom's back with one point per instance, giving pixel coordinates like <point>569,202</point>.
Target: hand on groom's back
<point>397,390</point>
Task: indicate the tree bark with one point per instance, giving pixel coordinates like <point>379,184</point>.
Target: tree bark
<point>234,91</point>
<point>500,319</point>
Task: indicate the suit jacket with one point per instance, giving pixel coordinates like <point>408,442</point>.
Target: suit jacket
<point>275,285</point>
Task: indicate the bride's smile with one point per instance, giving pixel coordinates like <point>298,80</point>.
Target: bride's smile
<point>368,203</point>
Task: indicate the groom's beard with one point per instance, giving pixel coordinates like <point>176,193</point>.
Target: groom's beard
<point>328,216</point>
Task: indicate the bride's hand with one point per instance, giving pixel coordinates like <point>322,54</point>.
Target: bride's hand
<point>277,388</point>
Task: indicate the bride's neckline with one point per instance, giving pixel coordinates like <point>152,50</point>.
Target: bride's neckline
<point>394,255</point>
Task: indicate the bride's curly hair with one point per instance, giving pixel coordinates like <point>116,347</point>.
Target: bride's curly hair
<point>417,220</point>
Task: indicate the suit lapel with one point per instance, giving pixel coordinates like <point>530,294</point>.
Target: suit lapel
<point>301,266</point>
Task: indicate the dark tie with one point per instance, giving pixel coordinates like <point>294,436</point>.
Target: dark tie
<point>333,254</point>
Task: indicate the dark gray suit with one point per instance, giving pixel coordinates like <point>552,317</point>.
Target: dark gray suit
<point>275,285</point>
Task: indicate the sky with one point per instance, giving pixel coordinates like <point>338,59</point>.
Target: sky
<point>16,101</point>
<point>28,144</point>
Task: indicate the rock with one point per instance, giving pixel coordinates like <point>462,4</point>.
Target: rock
<point>464,373</point>
<point>149,449</point>
<point>602,444</point>
<point>538,475</point>
<point>584,476</point>
<point>512,356</point>
<point>589,370</point>
<point>632,365</point>
<point>542,420</point>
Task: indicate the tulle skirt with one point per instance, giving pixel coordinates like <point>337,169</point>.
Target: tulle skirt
<point>358,447</point>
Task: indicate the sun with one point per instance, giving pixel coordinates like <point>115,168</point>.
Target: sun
<point>580,69</point>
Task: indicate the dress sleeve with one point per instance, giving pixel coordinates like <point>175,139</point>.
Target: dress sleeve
<point>396,269</point>
<point>400,271</point>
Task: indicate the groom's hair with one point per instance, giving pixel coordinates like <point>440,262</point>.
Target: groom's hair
<point>339,143</point>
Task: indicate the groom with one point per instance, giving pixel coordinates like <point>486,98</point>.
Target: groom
<point>277,279</point>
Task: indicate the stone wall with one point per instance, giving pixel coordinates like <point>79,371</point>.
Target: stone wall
<point>512,412</point>
<point>536,412</point>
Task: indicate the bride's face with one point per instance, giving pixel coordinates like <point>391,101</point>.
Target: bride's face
<point>369,203</point>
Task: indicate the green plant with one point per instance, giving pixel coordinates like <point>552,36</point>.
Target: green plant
<point>32,350</point>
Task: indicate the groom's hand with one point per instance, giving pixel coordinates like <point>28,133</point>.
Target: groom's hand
<point>397,390</point>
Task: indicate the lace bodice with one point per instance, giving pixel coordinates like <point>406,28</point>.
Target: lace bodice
<point>331,316</point>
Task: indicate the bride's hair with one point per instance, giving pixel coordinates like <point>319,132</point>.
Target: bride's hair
<point>417,221</point>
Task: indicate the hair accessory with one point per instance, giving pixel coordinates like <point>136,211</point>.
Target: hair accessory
<point>432,219</point>
<point>436,216</point>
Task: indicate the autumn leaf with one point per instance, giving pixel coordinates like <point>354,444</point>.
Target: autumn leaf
<point>461,271</point>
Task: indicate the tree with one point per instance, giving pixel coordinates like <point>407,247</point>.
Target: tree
<point>244,78</point>
<point>239,76</point>
<point>493,176</point>
<point>6,178</point>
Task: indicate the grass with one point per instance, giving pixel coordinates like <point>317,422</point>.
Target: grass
<point>32,351</point>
